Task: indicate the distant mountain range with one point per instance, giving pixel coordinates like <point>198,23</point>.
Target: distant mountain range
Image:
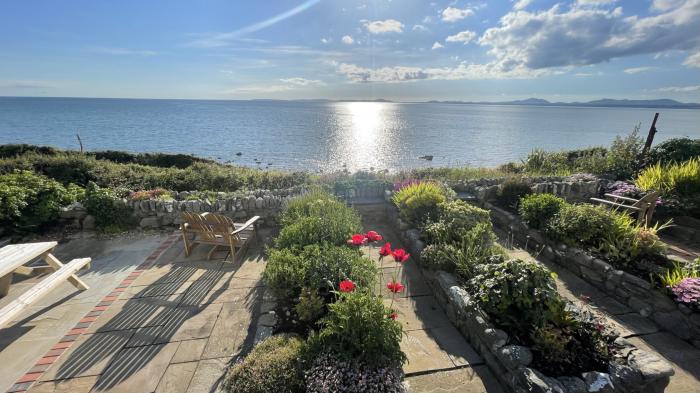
<point>605,102</point>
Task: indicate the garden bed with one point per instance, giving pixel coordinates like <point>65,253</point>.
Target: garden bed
<point>629,369</point>
<point>631,290</point>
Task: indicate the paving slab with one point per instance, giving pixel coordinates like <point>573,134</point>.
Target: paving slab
<point>415,313</point>
<point>209,376</point>
<point>177,378</point>
<point>136,369</point>
<point>73,385</point>
<point>464,380</point>
<point>189,351</point>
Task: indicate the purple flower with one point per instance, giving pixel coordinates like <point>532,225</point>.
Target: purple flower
<point>687,291</point>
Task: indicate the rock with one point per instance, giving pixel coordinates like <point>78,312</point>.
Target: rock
<point>88,223</point>
<point>573,384</point>
<point>674,322</point>
<point>535,382</point>
<point>625,377</point>
<point>651,366</point>
<point>150,222</point>
<point>74,210</point>
<point>495,338</point>
<point>259,202</point>
<point>515,356</point>
<point>598,382</point>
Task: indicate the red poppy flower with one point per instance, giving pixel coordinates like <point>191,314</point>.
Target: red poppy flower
<point>400,255</point>
<point>357,239</point>
<point>346,286</point>
<point>393,316</point>
<point>395,286</point>
<point>385,250</point>
<point>373,236</point>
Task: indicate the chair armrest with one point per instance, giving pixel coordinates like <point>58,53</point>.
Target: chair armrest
<point>246,225</point>
<point>611,203</point>
<point>622,198</point>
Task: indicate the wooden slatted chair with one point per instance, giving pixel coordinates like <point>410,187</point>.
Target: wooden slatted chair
<point>643,208</point>
<point>217,230</point>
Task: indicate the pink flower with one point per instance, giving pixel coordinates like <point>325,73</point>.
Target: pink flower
<point>395,286</point>
<point>385,250</point>
<point>373,236</point>
<point>357,239</point>
<point>346,286</point>
<point>400,255</point>
<point>393,316</point>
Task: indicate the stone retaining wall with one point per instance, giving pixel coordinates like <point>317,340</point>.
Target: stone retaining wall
<point>635,371</point>
<point>630,290</point>
<point>576,188</point>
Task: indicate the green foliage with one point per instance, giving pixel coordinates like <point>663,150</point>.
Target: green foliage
<point>679,272</point>
<point>358,327</point>
<point>623,158</point>
<point>317,268</point>
<point>29,201</point>
<point>111,215</point>
<point>585,225</point>
<point>454,219</point>
<point>272,366</point>
<point>627,240</point>
<point>310,306</point>
<point>511,191</point>
<point>681,179</point>
<point>452,174</point>
<point>538,209</point>
<point>518,294</point>
<point>418,203</point>
<point>675,150</point>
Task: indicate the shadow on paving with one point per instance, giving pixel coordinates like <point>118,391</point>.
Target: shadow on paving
<point>152,317</point>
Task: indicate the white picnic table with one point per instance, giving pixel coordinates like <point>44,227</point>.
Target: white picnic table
<point>13,258</point>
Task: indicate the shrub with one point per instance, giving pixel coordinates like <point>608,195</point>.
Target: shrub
<point>623,157</point>
<point>146,195</point>
<point>310,306</point>
<point>455,218</point>
<point>583,224</point>
<point>359,327</point>
<point>440,256</point>
<point>627,240</point>
<point>317,268</point>
<point>675,150</point>
<point>538,209</point>
<point>515,293</point>
<point>329,373</point>
<point>674,276</point>
<point>29,201</point>
<point>418,203</point>
<point>272,366</point>
<point>511,191</point>
<point>681,179</point>
<point>111,214</point>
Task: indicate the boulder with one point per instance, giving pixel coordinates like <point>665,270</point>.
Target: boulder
<point>651,366</point>
<point>597,382</point>
<point>515,356</point>
<point>573,384</point>
<point>89,223</point>
<point>150,222</point>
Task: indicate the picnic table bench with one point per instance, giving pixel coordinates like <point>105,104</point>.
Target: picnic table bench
<point>15,256</point>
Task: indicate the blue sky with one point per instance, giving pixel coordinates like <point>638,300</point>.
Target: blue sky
<point>356,49</point>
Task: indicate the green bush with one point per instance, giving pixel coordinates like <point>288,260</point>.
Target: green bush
<point>511,191</point>
<point>675,150</point>
<point>538,209</point>
<point>623,158</point>
<point>272,366</point>
<point>454,219</point>
<point>585,225</point>
<point>674,179</point>
<point>358,327</point>
<point>29,201</point>
<point>111,214</point>
<point>317,267</point>
<point>418,203</point>
<point>518,294</point>
<point>627,241</point>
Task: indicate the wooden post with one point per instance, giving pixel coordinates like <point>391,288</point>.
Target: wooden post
<point>650,136</point>
<point>81,142</point>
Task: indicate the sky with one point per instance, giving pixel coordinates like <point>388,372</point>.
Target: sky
<point>404,50</point>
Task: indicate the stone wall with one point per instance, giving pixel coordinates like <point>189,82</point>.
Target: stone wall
<point>634,371</point>
<point>630,290</point>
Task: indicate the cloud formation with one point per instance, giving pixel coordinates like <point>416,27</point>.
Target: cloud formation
<point>463,36</point>
<point>637,70</point>
<point>693,61</point>
<point>437,45</point>
<point>358,74</point>
<point>383,26</point>
<point>452,14</point>
<point>680,89</point>
<point>347,40</point>
<point>285,85</point>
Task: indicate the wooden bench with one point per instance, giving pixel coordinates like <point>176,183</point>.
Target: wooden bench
<point>643,208</point>
<point>217,230</point>
<point>15,256</point>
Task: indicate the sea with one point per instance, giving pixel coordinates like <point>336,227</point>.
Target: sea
<point>326,136</point>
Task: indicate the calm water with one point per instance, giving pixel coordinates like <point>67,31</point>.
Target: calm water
<point>326,135</point>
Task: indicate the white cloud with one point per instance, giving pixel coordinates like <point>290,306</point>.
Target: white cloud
<point>680,89</point>
<point>637,70</point>
<point>594,3</point>
<point>325,40</point>
<point>297,81</point>
<point>384,26</point>
<point>437,45</point>
<point>452,14</point>
<point>428,19</point>
<point>286,84</point>
<point>463,36</point>
<point>693,61</point>
<point>123,51</point>
<point>587,74</point>
<point>560,37</point>
<point>347,40</point>
<point>419,28</point>
<point>356,73</point>
<point>521,4</point>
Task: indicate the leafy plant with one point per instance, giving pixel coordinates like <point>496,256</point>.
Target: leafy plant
<point>681,179</point>
<point>623,157</point>
<point>111,215</point>
<point>672,277</point>
<point>454,219</point>
<point>329,373</point>
<point>628,240</point>
<point>538,209</point>
<point>272,366</point>
<point>418,203</point>
<point>29,201</point>
<point>675,150</point>
<point>359,327</point>
<point>511,192</point>
<point>583,224</point>
<point>310,306</point>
